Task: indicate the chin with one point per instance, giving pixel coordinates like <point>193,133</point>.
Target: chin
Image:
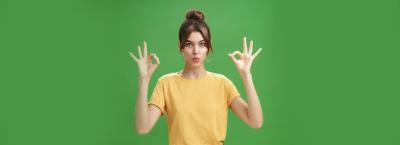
<point>195,65</point>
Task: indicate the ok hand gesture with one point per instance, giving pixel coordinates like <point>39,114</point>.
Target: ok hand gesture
<point>144,61</point>
<point>243,64</point>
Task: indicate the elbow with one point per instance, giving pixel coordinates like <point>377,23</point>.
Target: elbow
<point>142,130</point>
<point>257,125</point>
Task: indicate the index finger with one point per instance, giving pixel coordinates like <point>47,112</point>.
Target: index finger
<point>244,45</point>
<point>144,49</point>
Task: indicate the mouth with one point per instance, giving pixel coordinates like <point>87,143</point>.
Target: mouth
<point>196,59</point>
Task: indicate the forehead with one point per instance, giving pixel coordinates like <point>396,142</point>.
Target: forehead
<point>195,37</point>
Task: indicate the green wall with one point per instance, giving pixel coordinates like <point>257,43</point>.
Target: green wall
<point>328,73</point>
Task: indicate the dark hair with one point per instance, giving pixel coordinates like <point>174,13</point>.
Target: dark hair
<point>194,23</point>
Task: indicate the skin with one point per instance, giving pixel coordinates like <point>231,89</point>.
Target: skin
<point>194,48</point>
<point>249,111</point>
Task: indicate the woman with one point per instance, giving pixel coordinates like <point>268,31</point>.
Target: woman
<point>195,100</point>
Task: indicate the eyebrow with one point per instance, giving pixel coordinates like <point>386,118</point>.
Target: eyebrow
<point>192,41</point>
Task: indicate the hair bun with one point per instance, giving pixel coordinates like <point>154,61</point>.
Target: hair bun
<point>195,14</point>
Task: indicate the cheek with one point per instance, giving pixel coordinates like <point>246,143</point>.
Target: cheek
<point>204,50</point>
<point>186,55</point>
<point>184,51</point>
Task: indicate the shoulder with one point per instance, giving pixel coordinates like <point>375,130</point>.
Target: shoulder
<point>218,76</point>
<point>168,76</point>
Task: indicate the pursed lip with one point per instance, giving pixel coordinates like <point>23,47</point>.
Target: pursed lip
<point>195,59</point>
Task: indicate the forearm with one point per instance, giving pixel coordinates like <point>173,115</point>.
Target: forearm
<point>141,105</point>
<point>254,110</point>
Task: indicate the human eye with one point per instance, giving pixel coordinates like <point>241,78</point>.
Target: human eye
<point>188,45</point>
<point>202,44</point>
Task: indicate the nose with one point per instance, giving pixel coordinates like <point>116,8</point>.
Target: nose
<point>196,49</point>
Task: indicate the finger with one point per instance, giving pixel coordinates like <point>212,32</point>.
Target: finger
<point>139,52</point>
<point>133,56</point>
<point>244,45</point>
<point>157,60</point>
<point>232,57</point>
<point>258,51</point>
<point>238,53</point>
<point>150,57</point>
<point>144,49</point>
<point>251,47</point>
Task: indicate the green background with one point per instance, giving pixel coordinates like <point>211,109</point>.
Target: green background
<point>328,73</point>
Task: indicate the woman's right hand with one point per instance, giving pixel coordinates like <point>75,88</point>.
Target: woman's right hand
<point>144,61</point>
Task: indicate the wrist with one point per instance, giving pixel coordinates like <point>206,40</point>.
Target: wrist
<point>245,74</point>
<point>144,79</point>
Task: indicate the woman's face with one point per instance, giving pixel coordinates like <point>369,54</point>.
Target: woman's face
<point>194,50</point>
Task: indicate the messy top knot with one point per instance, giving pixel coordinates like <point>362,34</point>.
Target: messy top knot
<point>195,14</point>
<point>194,23</point>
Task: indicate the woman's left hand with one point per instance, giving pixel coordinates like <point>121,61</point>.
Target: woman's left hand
<point>243,64</point>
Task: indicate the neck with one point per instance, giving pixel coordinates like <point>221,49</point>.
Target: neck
<point>193,72</point>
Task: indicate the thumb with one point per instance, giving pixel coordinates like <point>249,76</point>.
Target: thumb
<point>157,60</point>
<point>232,57</point>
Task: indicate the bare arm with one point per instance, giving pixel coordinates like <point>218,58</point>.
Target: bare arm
<point>250,112</point>
<point>146,115</point>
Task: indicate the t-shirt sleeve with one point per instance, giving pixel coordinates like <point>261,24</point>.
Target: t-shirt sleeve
<point>158,96</point>
<point>231,91</point>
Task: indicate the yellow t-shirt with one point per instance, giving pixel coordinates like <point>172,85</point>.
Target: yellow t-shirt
<point>196,109</point>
